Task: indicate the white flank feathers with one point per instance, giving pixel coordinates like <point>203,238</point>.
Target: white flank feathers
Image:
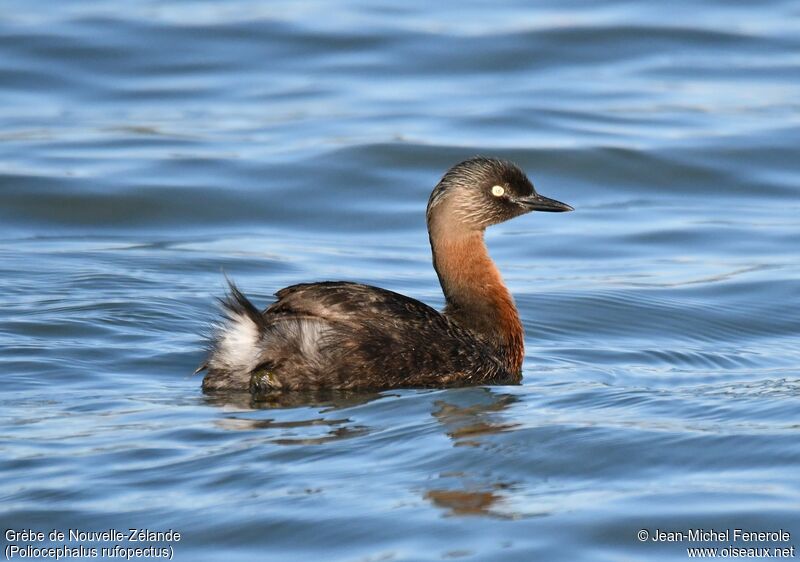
<point>237,348</point>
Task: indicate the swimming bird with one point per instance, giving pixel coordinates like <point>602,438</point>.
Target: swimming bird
<point>344,335</point>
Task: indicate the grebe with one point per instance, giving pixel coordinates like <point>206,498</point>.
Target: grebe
<point>342,335</point>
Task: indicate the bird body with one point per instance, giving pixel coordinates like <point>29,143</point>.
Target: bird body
<point>342,335</point>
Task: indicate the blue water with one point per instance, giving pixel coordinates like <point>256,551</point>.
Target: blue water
<point>148,148</point>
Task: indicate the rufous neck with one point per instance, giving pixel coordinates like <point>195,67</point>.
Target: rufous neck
<point>475,293</point>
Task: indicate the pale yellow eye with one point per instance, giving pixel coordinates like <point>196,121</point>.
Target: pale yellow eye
<point>498,190</point>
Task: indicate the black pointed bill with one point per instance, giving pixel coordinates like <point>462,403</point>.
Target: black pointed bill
<point>538,202</point>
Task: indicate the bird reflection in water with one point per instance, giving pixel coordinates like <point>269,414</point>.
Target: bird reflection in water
<point>469,416</point>
<point>475,415</point>
<point>295,432</point>
<point>327,399</point>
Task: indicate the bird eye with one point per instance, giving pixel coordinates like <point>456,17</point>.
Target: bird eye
<point>498,190</point>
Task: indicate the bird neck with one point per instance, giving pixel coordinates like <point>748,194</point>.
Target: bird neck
<point>476,296</point>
